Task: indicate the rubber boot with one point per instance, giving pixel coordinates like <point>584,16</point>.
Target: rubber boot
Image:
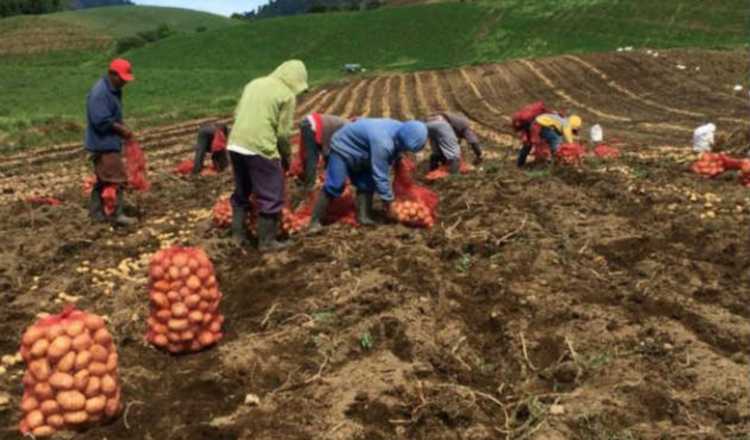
<point>364,209</point>
<point>319,212</point>
<point>96,208</point>
<point>477,153</point>
<point>120,218</point>
<point>454,166</point>
<point>268,227</point>
<point>522,155</point>
<point>200,157</point>
<point>239,226</point>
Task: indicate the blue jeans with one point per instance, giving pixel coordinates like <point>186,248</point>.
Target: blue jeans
<point>337,172</point>
<point>552,137</point>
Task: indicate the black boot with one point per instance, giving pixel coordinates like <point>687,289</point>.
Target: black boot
<point>364,209</point>
<point>96,208</point>
<point>120,218</point>
<point>319,212</point>
<point>239,226</point>
<point>522,155</point>
<point>454,166</point>
<point>268,227</point>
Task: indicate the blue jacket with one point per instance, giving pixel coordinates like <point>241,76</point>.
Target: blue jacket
<point>103,109</point>
<point>373,145</point>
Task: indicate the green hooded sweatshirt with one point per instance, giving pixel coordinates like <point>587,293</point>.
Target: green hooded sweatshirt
<point>264,118</point>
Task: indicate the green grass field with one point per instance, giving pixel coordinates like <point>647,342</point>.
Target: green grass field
<point>193,74</point>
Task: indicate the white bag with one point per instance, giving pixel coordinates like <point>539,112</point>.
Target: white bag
<point>597,134</point>
<point>703,138</point>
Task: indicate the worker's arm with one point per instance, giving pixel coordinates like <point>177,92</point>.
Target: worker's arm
<point>285,127</point>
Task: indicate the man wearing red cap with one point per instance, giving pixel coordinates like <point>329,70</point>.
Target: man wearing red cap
<point>105,132</point>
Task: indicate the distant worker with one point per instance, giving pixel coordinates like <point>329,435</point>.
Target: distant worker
<point>259,150</point>
<point>212,138</point>
<point>445,132</point>
<point>105,132</point>
<point>316,130</point>
<point>535,124</point>
<point>364,152</point>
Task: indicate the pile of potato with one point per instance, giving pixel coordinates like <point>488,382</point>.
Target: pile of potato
<point>293,223</point>
<point>413,213</point>
<point>571,154</point>
<point>71,377</point>
<point>185,300</point>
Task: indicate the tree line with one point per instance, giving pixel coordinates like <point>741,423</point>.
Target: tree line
<point>10,8</point>
<point>276,8</point>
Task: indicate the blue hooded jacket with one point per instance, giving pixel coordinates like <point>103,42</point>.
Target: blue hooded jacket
<point>103,109</point>
<point>375,144</point>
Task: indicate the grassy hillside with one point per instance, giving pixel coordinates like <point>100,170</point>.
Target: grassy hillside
<point>202,73</point>
<point>120,21</point>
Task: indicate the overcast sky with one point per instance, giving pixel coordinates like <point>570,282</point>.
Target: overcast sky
<point>223,7</point>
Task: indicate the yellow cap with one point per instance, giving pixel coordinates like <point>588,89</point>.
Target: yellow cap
<point>575,122</point>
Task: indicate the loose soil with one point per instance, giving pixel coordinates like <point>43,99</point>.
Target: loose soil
<point>602,302</point>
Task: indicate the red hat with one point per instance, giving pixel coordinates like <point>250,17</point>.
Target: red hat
<point>122,68</point>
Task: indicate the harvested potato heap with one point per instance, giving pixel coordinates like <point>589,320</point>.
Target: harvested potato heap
<point>184,301</point>
<point>71,376</point>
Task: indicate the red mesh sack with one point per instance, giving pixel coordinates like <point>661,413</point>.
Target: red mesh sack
<point>709,165</point>
<point>42,200</point>
<point>135,164</point>
<point>604,151</point>
<point>109,193</point>
<point>71,377</point>
<point>340,210</point>
<point>222,214</point>
<point>414,205</point>
<point>730,163</point>
<point>297,167</point>
<point>219,143</point>
<point>523,118</point>
<point>186,167</point>
<point>443,171</point>
<point>571,154</point>
<point>185,300</point>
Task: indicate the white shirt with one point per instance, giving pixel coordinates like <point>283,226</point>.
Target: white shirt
<point>241,150</point>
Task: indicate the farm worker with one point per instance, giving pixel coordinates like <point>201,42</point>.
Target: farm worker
<point>552,128</point>
<point>316,131</point>
<point>445,131</point>
<point>364,151</point>
<point>259,150</point>
<point>105,132</point>
<point>212,138</point>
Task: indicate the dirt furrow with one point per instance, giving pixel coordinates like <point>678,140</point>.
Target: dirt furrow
<point>355,100</point>
<point>485,102</point>
<point>385,106</point>
<point>404,103</point>
<point>311,102</point>
<point>422,105</point>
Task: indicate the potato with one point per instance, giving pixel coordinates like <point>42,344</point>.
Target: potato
<point>175,348</point>
<point>173,337</point>
<point>159,300</point>
<point>43,431</point>
<point>71,400</point>
<point>39,348</point>
<point>93,387</point>
<point>179,260</point>
<point>215,327</point>
<point>56,421</point>
<point>159,328</point>
<point>32,334</point>
<point>203,273</point>
<point>54,330</point>
<point>29,403</point>
<point>112,407</point>
<point>196,317</point>
<point>193,283</point>
<point>103,337</point>
<point>178,325</point>
<point>164,315</point>
<point>112,362</point>
<point>76,418</point>
<point>83,359</point>
<point>173,273</point>
<point>40,369</point>
<point>109,385</point>
<point>98,368</point>
<point>156,272</point>
<point>184,293</point>
<point>211,281</point>
<point>75,328</point>
<point>61,381</point>
<point>184,272</point>
<point>174,296</point>
<point>161,286</point>
<point>43,391</point>
<point>205,294</point>
<point>98,353</point>
<point>28,379</point>
<point>82,342</point>
<point>179,310</point>
<point>193,264</point>
<point>67,363</point>
<point>35,419</point>
<point>207,318</point>
<point>49,407</point>
<point>96,404</point>
<point>160,340</point>
<point>59,347</point>
<point>192,301</point>
<point>206,338</point>
<point>187,335</point>
<point>195,345</point>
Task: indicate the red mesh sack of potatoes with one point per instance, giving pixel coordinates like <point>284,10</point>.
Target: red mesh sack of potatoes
<point>297,167</point>
<point>109,193</point>
<point>185,301</point>
<point>709,165</point>
<point>71,373</point>
<point>730,163</point>
<point>415,205</point>
<point>186,167</point>
<point>604,151</point>
<point>443,171</point>
<point>571,154</point>
<point>135,164</point>
<point>222,214</point>
<point>340,210</point>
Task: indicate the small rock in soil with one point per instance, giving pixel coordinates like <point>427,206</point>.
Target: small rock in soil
<point>4,399</point>
<point>252,400</point>
<point>566,372</point>
<point>557,410</point>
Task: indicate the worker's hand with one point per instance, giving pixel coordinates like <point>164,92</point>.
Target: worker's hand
<point>123,131</point>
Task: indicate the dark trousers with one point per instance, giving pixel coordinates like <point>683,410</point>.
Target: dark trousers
<point>312,154</point>
<point>259,176</point>
<point>202,146</point>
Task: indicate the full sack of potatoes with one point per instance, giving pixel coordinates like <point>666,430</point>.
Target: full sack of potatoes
<point>185,301</point>
<point>71,373</point>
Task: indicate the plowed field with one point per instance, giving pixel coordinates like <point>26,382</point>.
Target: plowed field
<point>608,301</point>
